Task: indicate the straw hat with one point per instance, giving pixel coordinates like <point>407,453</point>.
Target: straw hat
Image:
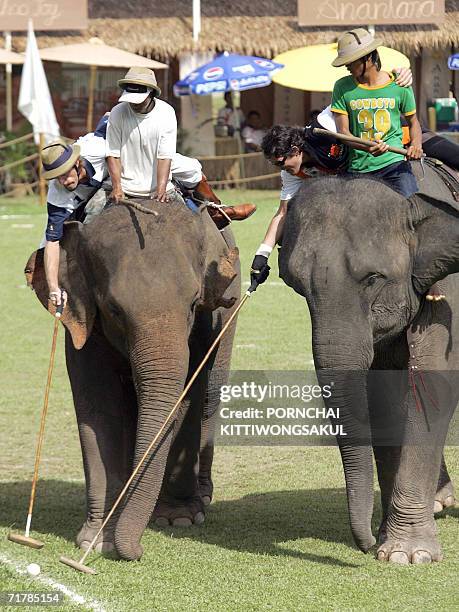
<point>355,44</point>
<point>58,158</point>
<point>137,85</point>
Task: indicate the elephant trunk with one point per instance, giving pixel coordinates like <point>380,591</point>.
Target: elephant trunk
<point>343,364</point>
<point>159,358</point>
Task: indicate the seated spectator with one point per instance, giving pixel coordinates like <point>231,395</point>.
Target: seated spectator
<point>230,116</point>
<point>253,133</point>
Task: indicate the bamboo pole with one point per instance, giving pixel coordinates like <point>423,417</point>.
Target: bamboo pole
<point>9,86</point>
<point>41,180</point>
<point>92,86</point>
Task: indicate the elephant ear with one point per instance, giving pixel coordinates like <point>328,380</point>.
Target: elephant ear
<point>436,224</point>
<point>80,310</point>
<point>219,274</point>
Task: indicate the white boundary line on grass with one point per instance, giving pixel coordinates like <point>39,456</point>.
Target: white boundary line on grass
<point>15,567</point>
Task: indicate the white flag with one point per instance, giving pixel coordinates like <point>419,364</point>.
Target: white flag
<point>34,98</point>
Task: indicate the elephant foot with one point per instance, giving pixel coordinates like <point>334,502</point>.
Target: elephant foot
<point>179,512</point>
<point>206,489</point>
<point>444,498</point>
<point>105,542</point>
<point>414,548</point>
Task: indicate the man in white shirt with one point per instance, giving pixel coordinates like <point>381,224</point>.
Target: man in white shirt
<point>253,133</point>
<point>141,139</point>
<point>141,150</point>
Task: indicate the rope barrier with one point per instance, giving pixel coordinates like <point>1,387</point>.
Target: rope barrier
<point>261,177</point>
<point>19,162</point>
<point>26,185</point>
<point>232,156</point>
<point>9,143</point>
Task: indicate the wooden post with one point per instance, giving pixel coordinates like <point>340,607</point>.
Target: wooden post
<point>41,180</point>
<point>8,86</point>
<point>92,86</point>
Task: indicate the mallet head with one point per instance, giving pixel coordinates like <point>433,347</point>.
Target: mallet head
<point>24,540</point>
<point>77,566</point>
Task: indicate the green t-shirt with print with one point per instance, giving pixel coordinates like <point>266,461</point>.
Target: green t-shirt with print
<point>374,113</point>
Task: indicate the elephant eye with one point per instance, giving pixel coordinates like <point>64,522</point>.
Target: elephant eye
<point>370,279</point>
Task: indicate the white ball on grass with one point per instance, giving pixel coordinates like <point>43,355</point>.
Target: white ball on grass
<point>33,569</point>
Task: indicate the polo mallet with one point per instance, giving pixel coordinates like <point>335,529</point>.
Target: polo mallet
<point>80,565</point>
<point>354,139</point>
<point>25,540</point>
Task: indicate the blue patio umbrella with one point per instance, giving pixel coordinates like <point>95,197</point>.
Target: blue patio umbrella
<point>228,72</point>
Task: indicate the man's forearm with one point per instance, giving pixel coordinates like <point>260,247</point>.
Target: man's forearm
<point>162,174</point>
<point>52,265</point>
<point>415,133</point>
<point>114,168</point>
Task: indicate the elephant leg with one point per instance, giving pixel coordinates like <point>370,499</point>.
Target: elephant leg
<point>218,376</point>
<point>106,422</point>
<point>179,503</point>
<point>444,497</point>
<point>411,533</point>
<point>385,398</point>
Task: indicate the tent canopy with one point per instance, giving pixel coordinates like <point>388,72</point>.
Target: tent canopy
<point>8,57</point>
<point>97,53</point>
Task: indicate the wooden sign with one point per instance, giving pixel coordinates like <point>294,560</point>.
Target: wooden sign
<point>45,14</point>
<point>358,12</point>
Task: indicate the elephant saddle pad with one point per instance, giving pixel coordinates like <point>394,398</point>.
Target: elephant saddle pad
<point>448,176</point>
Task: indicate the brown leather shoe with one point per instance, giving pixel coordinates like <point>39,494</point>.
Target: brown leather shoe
<point>223,215</point>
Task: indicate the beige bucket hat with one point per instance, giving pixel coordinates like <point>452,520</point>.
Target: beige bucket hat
<point>58,158</point>
<point>137,85</point>
<point>355,44</point>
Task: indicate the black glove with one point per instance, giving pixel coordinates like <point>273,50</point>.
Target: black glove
<point>259,271</point>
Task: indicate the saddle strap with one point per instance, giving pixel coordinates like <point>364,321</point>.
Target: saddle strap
<point>447,175</point>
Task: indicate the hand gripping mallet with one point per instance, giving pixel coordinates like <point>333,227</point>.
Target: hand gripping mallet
<point>80,565</point>
<point>354,139</point>
<point>25,540</point>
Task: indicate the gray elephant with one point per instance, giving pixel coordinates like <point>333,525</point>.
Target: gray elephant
<point>364,257</point>
<point>148,294</point>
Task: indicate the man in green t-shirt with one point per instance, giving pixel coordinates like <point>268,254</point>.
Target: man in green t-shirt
<point>368,104</point>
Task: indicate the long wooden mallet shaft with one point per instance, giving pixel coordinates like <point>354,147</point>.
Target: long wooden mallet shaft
<point>25,539</point>
<point>79,565</point>
<point>354,139</point>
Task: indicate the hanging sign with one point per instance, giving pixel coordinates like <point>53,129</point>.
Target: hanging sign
<point>380,12</point>
<point>45,14</point>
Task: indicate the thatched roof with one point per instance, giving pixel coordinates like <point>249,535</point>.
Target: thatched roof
<point>162,30</point>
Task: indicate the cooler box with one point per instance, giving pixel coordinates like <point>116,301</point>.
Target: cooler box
<point>445,109</point>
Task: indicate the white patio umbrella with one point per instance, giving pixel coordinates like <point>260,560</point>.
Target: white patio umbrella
<point>8,58</point>
<point>95,53</point>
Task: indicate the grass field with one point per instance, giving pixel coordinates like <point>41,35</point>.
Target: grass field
<point>275,538</point>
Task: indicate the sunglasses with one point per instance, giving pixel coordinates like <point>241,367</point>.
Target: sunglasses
<point>279,163</point>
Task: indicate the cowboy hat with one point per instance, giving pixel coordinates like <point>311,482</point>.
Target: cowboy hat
<point>355,44</point>
<point>137,85</point>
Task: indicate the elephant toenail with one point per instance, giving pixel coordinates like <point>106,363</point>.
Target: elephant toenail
<point>399,557</point>
<point>206,499</point>
<point>421,556</point>
<point>182,522</point>
<point>162,521</point>
<point>381,556</point>
<point>438,506</point>
<point>199,518</point>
